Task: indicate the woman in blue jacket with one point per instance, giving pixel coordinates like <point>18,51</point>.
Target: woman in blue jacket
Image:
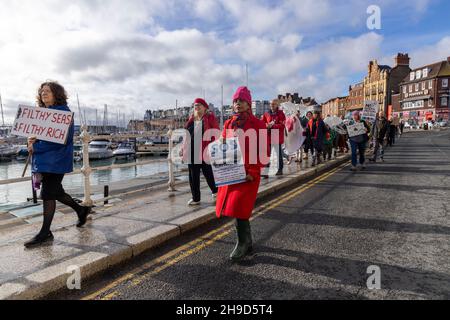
<point>50,162</point>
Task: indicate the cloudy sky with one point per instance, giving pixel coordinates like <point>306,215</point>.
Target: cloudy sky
<point>143,54</point>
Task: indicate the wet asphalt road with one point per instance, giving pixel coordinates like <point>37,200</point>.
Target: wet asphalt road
<point>317,243</point>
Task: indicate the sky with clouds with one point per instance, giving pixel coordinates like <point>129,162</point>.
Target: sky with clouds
<point>144,54</point>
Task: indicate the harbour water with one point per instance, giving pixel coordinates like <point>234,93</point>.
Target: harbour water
<point>19,192</point>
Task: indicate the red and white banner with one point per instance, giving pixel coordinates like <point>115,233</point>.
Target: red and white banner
<point>44,124</point>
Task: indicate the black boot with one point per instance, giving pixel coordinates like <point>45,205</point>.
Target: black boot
<point>44,235</point>
<point>39,240</point>
<point>82,212</point>
<point>82,216</point>
<point>245,243</point>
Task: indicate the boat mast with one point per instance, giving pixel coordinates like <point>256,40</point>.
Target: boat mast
<point>1,105</point>
<point>105,118</point>
<point>96,121</point>
<point>246,72</point>
<point>221,112</point>
<point>83,121</point>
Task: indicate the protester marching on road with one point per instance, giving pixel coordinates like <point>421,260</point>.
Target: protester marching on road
<point>359,143</point>
<point>308,145</point>
<point>379,132</point>
<point>329,143</point>
<point>50,162</point>
<point>275,120</point>
<point>294,137</point>
<point>402,127</point>
<point>317,131</point>
<point>342,141</point>
<point>392,131</point>
<point>198,124</point>
<point>238,201</point>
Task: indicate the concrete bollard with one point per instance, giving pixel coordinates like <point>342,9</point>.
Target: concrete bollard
<point>86,170</point>
<point>171,169</point>
<point>106,194</point>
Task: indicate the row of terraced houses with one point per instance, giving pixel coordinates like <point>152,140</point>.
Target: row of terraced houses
<point>415,95</point>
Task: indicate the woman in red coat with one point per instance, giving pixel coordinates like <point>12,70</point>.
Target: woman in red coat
<point>238,201</point>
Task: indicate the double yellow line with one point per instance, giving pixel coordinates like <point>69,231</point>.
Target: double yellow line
<point>173,257</point>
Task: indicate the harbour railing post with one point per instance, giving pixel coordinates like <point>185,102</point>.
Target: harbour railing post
<point>170,162</point>
<point>86,169</point>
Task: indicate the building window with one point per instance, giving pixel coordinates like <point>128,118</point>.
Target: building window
<point>425,72</point>
<point>417,87</point>
<point>412,75</point>
<point>444,83</point>
<point>430,84</point>
<point>424,85</point>
<point>410,88</point>
<point>404,89</point>
<point>444,102</point>
<point>418,74</point>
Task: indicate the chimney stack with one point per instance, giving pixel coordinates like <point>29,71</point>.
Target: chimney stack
<point>402,59</point>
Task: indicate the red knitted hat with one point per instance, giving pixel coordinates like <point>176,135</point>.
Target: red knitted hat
<point>202,102</point>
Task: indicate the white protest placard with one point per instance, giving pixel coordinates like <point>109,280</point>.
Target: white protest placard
<point>370,110</point>
<point>177,154</point>
<point>44,124</point>
<point>227,163</point>
<point>289,109</point>
<point>356,129</point>
<point>333,121</point>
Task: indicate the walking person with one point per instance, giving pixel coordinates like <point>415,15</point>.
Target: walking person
<point>275,120</point>
<point>392,132</point>
<point>293,138</point>
<point>328,143</point>
<point>50,162</point>
<point>317,131</point>
<point>308,144</point>
<point>359,143</point>
<point>342,140</point>
<point>238,201</point>
<point>379,132</point>
<point>402,127</point>
<point>198,124</point>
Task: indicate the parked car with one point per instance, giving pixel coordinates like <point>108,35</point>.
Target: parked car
<point>411,125</point>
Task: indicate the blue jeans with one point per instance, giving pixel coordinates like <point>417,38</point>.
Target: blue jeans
<point>361,147</point>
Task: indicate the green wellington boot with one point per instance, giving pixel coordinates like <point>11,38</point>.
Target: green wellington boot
<point>245,243</point>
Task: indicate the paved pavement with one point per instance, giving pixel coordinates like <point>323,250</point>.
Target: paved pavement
<point>130,226</point>
<point>317,240</point>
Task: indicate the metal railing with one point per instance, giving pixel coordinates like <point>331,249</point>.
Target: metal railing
<point>87,170</point>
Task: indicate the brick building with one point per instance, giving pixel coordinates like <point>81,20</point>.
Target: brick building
<point>355,98</point>
<point>335,107</point>
<point>382,81</point>
<point>424,94</point>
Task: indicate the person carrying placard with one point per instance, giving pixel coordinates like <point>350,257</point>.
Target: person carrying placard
<point>359,142</point>
<point>198,124</point>
<point>50,162</point>
<point>275,121</point>
<point>238,200</point>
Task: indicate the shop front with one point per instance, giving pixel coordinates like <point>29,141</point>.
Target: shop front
<point>442,114</point>
<point>418,117</point>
